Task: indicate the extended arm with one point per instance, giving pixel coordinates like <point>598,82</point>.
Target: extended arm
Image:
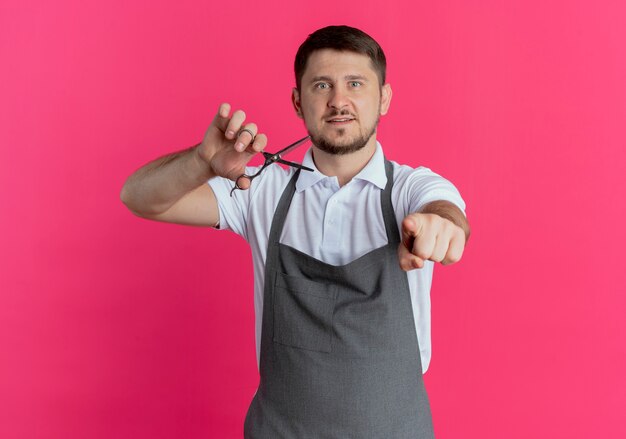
<point>173,188</point>
<point>157,190</point>
<point>438,232</point>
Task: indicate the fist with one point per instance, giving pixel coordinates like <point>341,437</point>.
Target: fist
<point>427,236</point>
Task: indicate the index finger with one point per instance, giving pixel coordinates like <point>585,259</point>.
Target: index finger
<point>409,231</point>
<point>221,119</point>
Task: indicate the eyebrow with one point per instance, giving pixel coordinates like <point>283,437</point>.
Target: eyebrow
<point>347,77</point>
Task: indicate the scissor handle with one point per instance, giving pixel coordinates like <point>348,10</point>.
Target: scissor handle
<point>249,177</point>
<point>272,158</point>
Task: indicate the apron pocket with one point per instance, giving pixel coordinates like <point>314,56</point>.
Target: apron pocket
<point>303,312</point>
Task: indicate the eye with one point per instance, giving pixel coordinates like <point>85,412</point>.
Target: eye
<point>322,85</point>
<point>355,84</point>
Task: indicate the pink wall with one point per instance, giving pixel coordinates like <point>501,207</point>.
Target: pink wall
<point>115,327</point>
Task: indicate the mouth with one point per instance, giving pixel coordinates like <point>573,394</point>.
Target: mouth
<point>340,120</point>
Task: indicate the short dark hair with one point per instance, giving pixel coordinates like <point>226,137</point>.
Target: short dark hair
<point>341,38</point>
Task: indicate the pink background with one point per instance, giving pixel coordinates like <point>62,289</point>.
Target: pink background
<point>116,327</point>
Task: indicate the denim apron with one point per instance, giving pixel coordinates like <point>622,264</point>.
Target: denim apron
<point>339,352</point>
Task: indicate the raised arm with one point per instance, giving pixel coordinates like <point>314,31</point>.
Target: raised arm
<point>173,188</point>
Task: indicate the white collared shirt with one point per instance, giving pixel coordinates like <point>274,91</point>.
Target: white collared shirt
<point>335,225</point>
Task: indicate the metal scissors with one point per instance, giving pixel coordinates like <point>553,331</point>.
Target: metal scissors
<point>273,158</point>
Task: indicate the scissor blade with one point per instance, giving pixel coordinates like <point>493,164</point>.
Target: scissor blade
<point>294,165</point>
<point>292,146</point>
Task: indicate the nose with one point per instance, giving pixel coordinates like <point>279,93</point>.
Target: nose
<point>338,99</point>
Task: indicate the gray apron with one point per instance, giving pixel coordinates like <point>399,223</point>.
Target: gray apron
<point>339,353</point>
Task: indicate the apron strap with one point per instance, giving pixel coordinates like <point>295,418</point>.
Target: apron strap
<point>280,214</point>
<point>389,215</point>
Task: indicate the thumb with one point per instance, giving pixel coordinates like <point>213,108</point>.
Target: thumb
<point>243,182</point>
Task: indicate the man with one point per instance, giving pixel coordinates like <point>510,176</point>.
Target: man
<point>343,256</point>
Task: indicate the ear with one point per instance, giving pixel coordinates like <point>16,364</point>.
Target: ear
<point>385,99</point>
<point>295,100</point>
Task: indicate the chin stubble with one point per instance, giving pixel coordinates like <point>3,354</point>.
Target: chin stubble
<point>336,149</point>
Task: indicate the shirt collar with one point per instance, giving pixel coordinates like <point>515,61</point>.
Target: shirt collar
<point>373,172</point>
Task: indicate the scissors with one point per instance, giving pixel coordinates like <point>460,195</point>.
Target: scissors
<point>273,158</point>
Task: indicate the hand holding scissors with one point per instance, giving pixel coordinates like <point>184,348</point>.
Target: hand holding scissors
<point>229,145</point>
<point>273,158</point>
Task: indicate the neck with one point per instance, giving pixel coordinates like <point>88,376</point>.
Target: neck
<point>344,167</point>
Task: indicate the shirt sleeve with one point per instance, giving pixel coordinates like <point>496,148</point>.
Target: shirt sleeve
<point>233,211</point>
<point>425,186</point>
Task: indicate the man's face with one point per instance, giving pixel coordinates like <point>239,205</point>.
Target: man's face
<point>341,101</point>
